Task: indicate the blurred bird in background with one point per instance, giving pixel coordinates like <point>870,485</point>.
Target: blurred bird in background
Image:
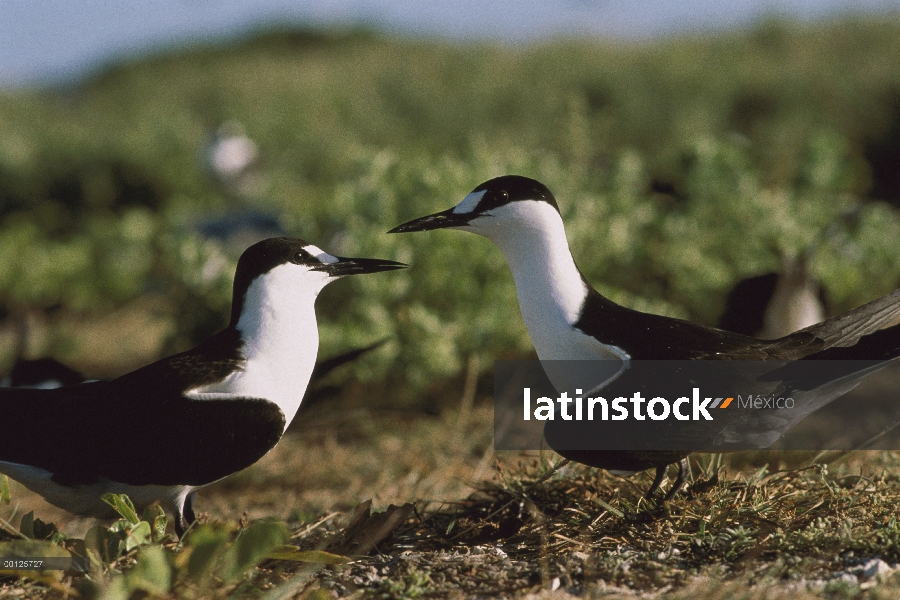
<point>775,304</point>
<point>231,159</point>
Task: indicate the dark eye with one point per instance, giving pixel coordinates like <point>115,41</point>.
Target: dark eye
<point>504,195</point>
<point>299,257</point>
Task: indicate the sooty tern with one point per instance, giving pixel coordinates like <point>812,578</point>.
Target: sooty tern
<point>568,319</point>
<point>179,424</point>
<point>774,305</point>
<point>43,373</point>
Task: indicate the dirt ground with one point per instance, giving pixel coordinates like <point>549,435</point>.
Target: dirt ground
<point>487,523</point>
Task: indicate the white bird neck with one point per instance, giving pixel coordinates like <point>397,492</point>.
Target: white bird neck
<point>280,340</point>
<point>271,323</point>
<point>549,286</point>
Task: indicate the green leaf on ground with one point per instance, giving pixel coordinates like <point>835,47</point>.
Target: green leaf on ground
<point>252,546</point>
<point>139,535</point>
<point>122,505</point>
<point>153,572</point>
<point>207,543</point>
<point>156,516</point>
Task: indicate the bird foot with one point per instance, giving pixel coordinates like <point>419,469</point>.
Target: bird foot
<point>684,474</point>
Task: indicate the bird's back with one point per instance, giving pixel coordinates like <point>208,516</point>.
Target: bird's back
<point>141,428</point>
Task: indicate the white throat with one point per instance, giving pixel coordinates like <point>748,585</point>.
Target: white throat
<point>549,286</point>
<point>281,340</point>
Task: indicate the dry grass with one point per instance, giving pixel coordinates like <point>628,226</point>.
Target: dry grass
<point>483,527</point>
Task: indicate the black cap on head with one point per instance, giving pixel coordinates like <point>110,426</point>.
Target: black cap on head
<point>491,194</point>
<point>512,188</point>
<point>264,256</point>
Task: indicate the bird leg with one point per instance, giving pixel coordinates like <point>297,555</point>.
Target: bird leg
<point>684,474</point>
<point>185,516</point>
<point>657,481</point>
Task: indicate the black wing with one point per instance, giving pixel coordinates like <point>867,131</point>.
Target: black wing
<point>102,429</point>
<point>140,429</point>
<point>655,337</point>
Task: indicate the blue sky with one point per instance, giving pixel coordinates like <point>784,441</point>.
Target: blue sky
<point>45,39</point>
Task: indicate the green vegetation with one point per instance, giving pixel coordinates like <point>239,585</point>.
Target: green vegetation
<point>134,556</point>
<point>681,166</point>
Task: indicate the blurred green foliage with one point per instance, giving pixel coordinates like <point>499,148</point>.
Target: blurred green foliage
<point>680,166</point>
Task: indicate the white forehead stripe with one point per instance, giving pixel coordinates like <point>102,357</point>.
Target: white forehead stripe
<point>469,203</point>
<point>322,256</point>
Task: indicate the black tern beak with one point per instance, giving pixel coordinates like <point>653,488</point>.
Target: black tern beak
<point>446,218</point>
<point>358,266</point>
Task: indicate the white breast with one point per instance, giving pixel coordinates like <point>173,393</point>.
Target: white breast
<point>281,340</point>
<point>549,287</point>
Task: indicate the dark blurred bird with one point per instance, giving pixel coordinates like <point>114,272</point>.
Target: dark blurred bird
<point>41,373</point>
<point>569,320</point>
<point>168,429</point>
<point>237,229</point>
<point>773,305</point>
